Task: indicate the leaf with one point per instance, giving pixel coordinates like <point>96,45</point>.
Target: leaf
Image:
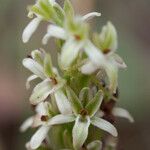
<point>80,132</point>
<point>74,100</point>
<point>94,105</point>
<point>104,125</point>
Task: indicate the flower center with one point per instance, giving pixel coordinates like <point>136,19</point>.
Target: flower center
<point>77,37</point>
<point>83,112</point>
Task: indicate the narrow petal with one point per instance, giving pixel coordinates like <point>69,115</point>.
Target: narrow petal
<point>30,29</point>
<point>88,68</point>
<point>104,125</point>
<point>52,2</point>
<point>120,112</point>
<point>27,124</point>
<point>41,92</point>
<point>91,15</point>
<point>54,31</point>
<point>119,61</point>
<point>80,132</point>
<point>112,73</point>
<point>74,100</point>
<point>38,137</point>
<point>70,52</point>
<point>93,106</point>
<point>95,145</point>
<point>61,119</point>
<point>62,102</point>
<point>34,67</point>
<point>84,96</point>
<point>30,78</point>
<point>41,108</point>
<point>94,54</point>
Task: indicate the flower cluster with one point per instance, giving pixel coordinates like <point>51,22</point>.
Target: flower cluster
<point>74,103</point>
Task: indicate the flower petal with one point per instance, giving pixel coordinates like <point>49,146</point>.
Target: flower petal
<point>26,124</point>
<point>119,61</point>
<point>41,92</point>
<point>74,100</point>
<point>61,119</point>
<point>39,136</point>
<point>85,96</point>
<point>41,109</point>
<point>95,145</point>
<point>88,68</point>
<point>30,29</point>
<point>94,54</point>
<point>80,132</point>
<point>104,125</point>
<point>112,73</point>
<point>34,67</point>
<point>120,112</point>
<point>62,102</point>
<point>70,52</point>
<point>91,15</point>
<point>54,31</point>
<point>93,106</point>
<point>29,79</point>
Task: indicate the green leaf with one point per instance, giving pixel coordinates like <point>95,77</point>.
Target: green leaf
<point>93,106</point>
<point>48,69</point>
<point>80,132</point>
<point>68,8</point>
<point>74,100</point>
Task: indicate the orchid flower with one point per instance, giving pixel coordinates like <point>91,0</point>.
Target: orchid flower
<point>83,117</point>
<point>40,65</point>
<point>106,44</point>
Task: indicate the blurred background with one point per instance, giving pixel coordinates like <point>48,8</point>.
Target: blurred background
<point>132,20</point>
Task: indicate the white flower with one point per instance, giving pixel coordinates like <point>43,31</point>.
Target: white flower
<point>83,117</point>
<point>40,15</point>
<point>35,121</point>
<point>75,35</point>
<point>40,65</point>
<point>106,45</point>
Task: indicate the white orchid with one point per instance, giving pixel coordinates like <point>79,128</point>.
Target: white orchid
<point>83,117</point>
<point>40,64</point>
<point>74,97</point>
<point>43,10</point>
<point>106,46</point>
<point>75,35</point>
